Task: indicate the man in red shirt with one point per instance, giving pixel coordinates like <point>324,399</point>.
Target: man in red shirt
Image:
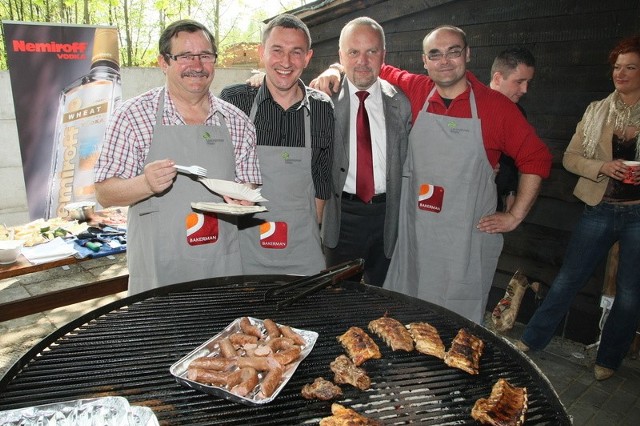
<point>449,236</point>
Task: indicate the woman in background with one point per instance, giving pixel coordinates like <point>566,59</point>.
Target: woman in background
<point>606,136</point>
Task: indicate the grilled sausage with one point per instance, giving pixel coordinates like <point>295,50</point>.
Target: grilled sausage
<point>213,363</point>
<point>240,339</point>
<point>288,332</point>
<point>249,380</point>
<point>271,381</point>
<point>272,328</point>
<point>217,378</point>
<point>288,355</point>
<point>226,348</point>
<point>250,329</point>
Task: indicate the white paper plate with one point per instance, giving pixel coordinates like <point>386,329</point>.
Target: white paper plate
<point>224,208</point>
<point>235,190</point>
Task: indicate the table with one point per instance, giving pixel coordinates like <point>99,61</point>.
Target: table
<point>126,348</point>
<point>55,299</point>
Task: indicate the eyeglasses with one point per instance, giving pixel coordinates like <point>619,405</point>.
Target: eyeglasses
<point>452,54</point>
<point>187,58</point>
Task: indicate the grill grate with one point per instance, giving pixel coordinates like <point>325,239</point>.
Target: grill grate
<point>126,348</point>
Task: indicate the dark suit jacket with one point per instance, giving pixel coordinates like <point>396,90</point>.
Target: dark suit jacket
<point>397,110</point>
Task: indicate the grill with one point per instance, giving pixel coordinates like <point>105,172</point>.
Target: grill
<point>126,348</point>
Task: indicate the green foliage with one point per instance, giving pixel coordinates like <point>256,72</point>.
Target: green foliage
<point>140,22</point>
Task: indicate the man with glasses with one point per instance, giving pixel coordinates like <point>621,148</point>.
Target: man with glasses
<point>179,123</point>
<point>449,236</point>
<point>294,126</point>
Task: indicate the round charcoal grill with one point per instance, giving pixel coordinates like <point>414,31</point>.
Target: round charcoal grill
<point>126,348</point>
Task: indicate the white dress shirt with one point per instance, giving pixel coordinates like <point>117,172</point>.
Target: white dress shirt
<point>375,110</point>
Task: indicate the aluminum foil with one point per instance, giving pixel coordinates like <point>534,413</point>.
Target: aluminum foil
<point>211,348</point>
<point>107,411</point>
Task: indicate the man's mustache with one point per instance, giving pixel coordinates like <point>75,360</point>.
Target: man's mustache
<point>195,74</point>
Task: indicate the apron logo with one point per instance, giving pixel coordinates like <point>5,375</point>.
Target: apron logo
<point>453,128</point>
<point>273,235</point>
<point>287,158</point>
<point>430,198</point>
<point>202,228</point>
<point>206,136</point>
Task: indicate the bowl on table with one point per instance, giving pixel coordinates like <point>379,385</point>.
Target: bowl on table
<point>10,250</point>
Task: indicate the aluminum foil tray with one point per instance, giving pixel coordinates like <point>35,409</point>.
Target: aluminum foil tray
<point>211,348</point>
<point>107,411</point>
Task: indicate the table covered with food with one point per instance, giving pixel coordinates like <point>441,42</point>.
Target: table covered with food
<point>227,351</point>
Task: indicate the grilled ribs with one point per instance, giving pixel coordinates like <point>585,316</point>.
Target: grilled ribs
<point>393,332</point>
<point>342,416</point>
<point>427,339</point>
<point>359,345</point>
<point>465,352</point>
<point>506,406</point>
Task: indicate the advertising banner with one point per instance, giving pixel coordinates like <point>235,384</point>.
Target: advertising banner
<point>65,81</point>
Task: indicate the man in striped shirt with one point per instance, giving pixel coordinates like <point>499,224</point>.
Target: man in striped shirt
<point>294,126</point>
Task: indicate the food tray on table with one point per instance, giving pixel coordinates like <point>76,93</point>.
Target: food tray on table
<point>107,411</point>
<point>211,348</point>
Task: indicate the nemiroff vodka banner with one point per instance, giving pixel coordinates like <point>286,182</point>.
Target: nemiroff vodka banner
<point>65,81</point>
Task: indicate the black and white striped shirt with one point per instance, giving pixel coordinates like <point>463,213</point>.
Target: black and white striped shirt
<point>277,127</point>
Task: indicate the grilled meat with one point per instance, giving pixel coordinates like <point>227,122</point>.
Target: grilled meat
<point>393,332</point>
<point>359,345</point>
<point>321,389</point>
<point>465,352</point>
<point>506,406</point>
<point>346,372</point>
<point>343,416</point>
<point>427,339</point>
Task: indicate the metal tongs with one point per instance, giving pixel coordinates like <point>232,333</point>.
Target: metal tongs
<point>326,278</point>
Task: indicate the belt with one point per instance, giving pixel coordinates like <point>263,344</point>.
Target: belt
<point>377,199</point>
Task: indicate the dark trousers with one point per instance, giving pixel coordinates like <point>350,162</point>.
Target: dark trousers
<point>361,236</point>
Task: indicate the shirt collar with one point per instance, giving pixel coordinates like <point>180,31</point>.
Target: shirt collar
<point>374,89</point>
<point>174,116</point>
<point>265,95</point>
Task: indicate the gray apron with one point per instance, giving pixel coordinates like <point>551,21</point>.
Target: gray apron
<point>168,242</point>
<point>285,239</point>
<point>447,186</point>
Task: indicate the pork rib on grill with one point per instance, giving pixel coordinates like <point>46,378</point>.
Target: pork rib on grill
<point>359,345</point>
<point>343,416</point>
<point>465,352</point>
<point>427,339</point>
<point>346,372</point>
<point>506,406</point>
<point>393,332</point>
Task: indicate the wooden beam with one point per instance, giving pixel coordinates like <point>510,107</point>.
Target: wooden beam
<point>56,299</point>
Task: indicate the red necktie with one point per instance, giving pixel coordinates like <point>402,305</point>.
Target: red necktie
<point>364,173</point>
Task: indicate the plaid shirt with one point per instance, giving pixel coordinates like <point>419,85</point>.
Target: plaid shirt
<point>130,131</point>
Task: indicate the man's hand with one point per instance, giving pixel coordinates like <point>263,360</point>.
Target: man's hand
<point>159,175</point>
<point>256,79</point>
<point>327,82</point>
<point>498,222</point>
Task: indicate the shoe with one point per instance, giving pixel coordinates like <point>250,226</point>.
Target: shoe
<point>520,345</point>
<point>602,373</point>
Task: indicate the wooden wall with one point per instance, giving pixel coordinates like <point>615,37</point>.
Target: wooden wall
<point>570,40</point>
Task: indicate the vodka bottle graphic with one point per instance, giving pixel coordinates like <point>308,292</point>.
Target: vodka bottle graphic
<point>83,112</point>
